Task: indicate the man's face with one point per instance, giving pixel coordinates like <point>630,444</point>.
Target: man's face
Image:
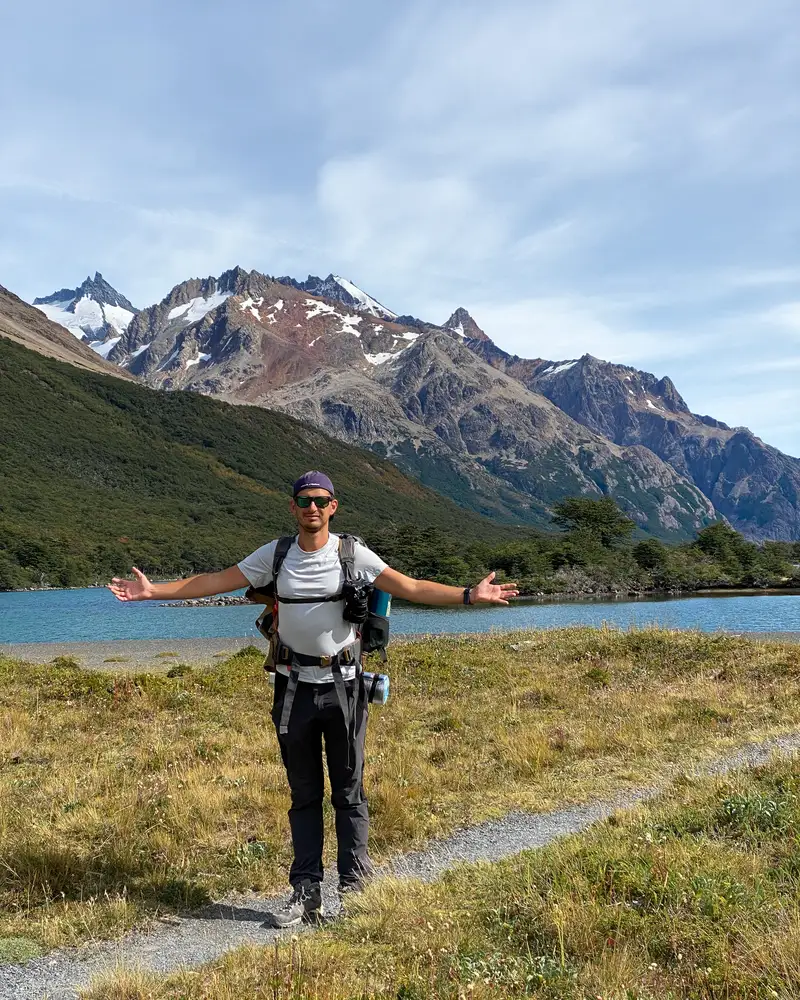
<point>313,518</point>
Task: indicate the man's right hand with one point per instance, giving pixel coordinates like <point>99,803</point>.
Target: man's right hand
<point>138,589</point>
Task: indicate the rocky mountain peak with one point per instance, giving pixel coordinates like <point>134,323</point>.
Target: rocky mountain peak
<point>100,290</point>
<point>94,311</point>
<point>464,325</point>
<point>342,290</point>
<point>96,288</point>
<point>235,280</point>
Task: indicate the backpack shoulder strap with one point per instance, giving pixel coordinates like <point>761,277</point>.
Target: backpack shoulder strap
<point>347,555</point>
<point>281,551</point>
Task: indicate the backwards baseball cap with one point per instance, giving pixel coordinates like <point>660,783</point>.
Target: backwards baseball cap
<point>312,480</point>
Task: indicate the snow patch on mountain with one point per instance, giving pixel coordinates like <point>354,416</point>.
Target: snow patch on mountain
<point>58,312</point>
<point>555,369</point>
<point>167,360</point>
<point>348,322</point>
<point>88,313</point>
<point>318,309</point>
<point>196,361</point>
<point>104,348</point>
<point>198,307</point>
<point>384,356</point>
<point>117,317</point>
<point>364,302</point>
<point>252,305</point>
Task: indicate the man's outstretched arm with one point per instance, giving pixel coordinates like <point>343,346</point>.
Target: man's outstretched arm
<point>203,585</point>
<point>428,592</point>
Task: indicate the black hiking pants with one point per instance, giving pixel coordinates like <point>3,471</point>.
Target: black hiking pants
<point>316,716</point>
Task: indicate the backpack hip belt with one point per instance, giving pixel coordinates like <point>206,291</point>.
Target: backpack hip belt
<point>288,657</point>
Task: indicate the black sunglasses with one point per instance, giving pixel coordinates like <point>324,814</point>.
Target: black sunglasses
<point>320,502</point>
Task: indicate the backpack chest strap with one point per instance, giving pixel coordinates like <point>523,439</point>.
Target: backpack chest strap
<point>307,600</point>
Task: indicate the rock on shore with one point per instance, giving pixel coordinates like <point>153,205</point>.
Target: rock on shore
<point>206,602</point>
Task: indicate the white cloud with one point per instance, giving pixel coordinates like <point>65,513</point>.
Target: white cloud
<point>617,178</point>
<point>785,315</point>
<point>405,221</point>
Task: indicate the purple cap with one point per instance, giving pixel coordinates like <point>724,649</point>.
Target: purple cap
<point>312,480</point>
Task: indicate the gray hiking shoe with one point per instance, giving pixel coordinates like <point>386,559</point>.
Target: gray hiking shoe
<point>304,905</point>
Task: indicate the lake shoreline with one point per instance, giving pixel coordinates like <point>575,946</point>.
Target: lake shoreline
<point>538,597</point>
<point>160,655</point>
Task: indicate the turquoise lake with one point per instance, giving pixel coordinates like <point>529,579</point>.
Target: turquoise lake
<point>95,614</point>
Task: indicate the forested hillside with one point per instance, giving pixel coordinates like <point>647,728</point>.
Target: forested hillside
<point>99,474</point>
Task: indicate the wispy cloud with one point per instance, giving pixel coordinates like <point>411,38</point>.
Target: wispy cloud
<point>616,178</point>
<point>785,315</point>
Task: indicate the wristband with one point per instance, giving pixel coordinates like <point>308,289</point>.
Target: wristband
<point>466,595</point>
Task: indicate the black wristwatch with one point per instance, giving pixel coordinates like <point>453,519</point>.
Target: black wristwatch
<point>466,594</point>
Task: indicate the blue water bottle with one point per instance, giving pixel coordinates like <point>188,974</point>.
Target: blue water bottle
<point>375,637</point>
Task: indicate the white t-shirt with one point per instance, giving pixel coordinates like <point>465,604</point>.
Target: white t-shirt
<point>316,629</point>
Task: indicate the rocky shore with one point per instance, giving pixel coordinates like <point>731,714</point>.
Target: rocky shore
<point>224,601</point>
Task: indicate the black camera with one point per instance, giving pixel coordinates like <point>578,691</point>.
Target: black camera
<point>356,602</point>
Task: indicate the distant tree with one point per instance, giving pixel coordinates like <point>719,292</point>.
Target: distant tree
<point>723,544</point>
<point>650,554</point>
<point>601,519</point>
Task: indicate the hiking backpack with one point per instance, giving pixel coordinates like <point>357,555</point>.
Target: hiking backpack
<point>365,605</point>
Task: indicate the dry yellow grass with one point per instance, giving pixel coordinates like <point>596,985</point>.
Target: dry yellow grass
<point>692,898</point>
<point>124,796</point>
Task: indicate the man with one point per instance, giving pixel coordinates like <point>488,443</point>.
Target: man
<point>319,645</point>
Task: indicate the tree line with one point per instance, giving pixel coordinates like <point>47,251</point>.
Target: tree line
<point>595,552</point>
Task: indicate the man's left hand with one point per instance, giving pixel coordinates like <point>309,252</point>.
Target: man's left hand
<point>487,592</point>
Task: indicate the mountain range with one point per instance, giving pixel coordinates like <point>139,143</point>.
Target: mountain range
<point>502,435</point>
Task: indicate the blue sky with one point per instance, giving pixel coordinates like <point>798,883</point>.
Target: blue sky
<point>618,178</point>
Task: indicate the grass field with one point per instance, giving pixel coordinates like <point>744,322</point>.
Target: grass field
<point>692,897</point>
<point>125,796</point>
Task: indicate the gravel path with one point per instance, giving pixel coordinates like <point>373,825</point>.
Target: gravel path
<point>143,654</point>
<point>130,654</point>
<point>226,925</point>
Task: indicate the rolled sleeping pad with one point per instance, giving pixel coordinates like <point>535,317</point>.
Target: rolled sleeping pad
<point>377,687</point>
